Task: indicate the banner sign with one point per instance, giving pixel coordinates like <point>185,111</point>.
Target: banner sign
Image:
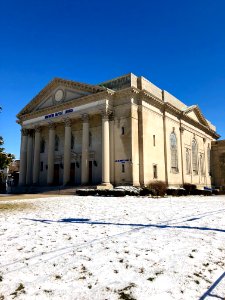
<point>59,113</point>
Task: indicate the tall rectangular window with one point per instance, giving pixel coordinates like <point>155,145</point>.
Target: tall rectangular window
<point>154,140</point>
<point>42,166</point>
<point>155,173</point>
<point>122,130</point>
<point>123,168</point>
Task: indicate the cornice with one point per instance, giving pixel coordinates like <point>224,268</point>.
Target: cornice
<point>167,107</point>
<point>130,91</point>
<point>205,128</point>
<point>172,109</point>
<point>152,99</point>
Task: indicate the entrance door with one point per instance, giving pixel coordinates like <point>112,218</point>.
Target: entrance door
<point>72,173</point>
<point>56,174</point>
<point>90,172</point>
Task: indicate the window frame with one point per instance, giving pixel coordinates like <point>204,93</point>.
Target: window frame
<point>174,167</point>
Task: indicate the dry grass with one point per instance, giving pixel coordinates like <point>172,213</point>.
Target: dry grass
<point>15,206</point>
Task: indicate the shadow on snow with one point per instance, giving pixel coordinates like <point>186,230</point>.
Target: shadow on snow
<point>160,226</point>
<point>213,286</point>
<point>208,293</point>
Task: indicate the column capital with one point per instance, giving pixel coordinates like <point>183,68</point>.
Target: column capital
<point>30,132</point>
<point>106,113</point>
<point>85,118</point>
<point>51,125</point>
<point>67,122</point>
<point>37,128</point>
<point>24,131</point>
<point>111,116</point>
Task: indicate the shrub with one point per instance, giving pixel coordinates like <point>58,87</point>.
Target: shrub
<point>83,192</point>
<point>216,192</point>
<point>202,192</point>
<point>117,193</point>
<point>145,191</point>
<point>190,188</point>
<point>158,188</point>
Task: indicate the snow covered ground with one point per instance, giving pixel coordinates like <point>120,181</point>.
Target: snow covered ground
<point>112,248</point>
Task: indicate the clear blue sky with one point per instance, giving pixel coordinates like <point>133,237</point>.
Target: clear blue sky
<point>178,45</point>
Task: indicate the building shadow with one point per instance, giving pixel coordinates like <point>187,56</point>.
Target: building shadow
<point>160,226</point>
<point>209,293</point>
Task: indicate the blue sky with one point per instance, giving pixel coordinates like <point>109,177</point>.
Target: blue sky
<point>178,45</point>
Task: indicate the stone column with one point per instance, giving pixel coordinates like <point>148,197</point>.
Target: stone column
<point>105,152</point>
<point>67,152</point>
<point>85,150</point>
<point>23,157</point>
<point>29,158</point>
<point>36,166</point>
<point>112,153</point>
<point>51,151</point>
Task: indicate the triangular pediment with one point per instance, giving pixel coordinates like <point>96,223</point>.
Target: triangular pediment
<point>59,91</point>
<point>195,114</point>
<point>59,95</point>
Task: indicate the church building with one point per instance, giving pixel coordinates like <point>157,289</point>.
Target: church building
<point>125,131</point>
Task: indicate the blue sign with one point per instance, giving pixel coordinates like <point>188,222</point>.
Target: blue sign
<point>59,113</point>
<point>122,160</point>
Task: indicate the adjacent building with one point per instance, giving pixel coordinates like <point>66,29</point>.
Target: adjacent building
<point>122,131</point>
<point>218,163</point>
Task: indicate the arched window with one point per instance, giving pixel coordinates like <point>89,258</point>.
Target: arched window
<point>208,158</point>
<point>202,166</point>
<point>42,146</point>
<point>72,141</point>
<point>174,155</point>
<point>188,161</point>
<point>195,157</point>
<point>56,143</point>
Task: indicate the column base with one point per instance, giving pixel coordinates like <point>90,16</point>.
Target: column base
<point>136,183</point>
<point>105,186</point>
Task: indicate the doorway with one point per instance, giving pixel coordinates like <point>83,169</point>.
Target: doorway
<point>72,173</point>
<point>56,174</point>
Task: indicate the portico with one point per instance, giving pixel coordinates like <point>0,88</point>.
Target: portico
<point>31,146</point>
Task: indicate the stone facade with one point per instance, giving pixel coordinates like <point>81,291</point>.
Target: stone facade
<point>123,131</point>
<point>218,163</point>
